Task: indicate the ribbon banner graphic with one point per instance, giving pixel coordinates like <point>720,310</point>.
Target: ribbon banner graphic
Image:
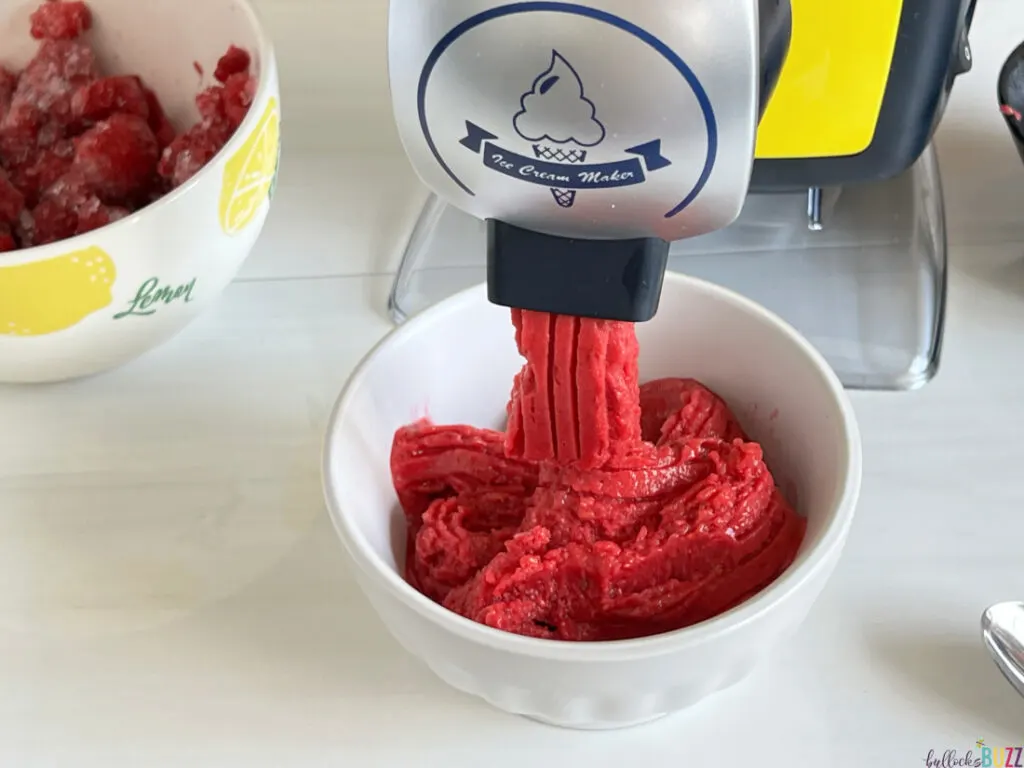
<point>622,173</point>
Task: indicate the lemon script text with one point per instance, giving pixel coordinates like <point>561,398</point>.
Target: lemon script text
<point>151,294</point>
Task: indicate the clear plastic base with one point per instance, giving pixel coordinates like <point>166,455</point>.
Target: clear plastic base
<point>860,271</point>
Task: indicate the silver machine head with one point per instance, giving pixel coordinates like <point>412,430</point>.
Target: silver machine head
<point>587,134</point>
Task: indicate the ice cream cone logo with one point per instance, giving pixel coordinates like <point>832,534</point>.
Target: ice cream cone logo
<point>559,120</point>
<point>561,127</point>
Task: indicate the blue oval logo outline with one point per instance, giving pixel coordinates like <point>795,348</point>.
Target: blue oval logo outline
<point>603,16</point>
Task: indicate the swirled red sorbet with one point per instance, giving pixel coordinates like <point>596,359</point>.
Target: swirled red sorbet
<point>606,510</point>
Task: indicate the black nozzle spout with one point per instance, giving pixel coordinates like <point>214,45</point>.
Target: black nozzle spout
<point>606,279</point>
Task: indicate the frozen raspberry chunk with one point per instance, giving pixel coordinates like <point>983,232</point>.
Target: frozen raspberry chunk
<point>60,60</point>
<point>25,229</point>
<point>228,103</point>
<point>117,157</point>
<point>234,62</point>
<point>52,222</point>
<point>7,241</point>
<point>158,122</point>
<point>239,91</point>
<point>210,104</point>
<point>71,191</point>
<point>70,208</point>
<point>43,95</point>
<point>93,214</point>
<point>8,84</point>
<point>42,169</point>
<point>11,200</point>
<point>102,98</point>
<point>55,20</point>
<point>19,133</point>
<point>187,155</point>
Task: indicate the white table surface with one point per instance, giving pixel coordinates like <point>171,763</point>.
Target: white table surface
<point>172,594</point>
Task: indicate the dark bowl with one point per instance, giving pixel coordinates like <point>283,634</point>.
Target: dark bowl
<point>1011,96</point>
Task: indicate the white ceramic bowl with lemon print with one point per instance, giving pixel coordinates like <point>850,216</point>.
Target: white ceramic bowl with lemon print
<point>93,302</point>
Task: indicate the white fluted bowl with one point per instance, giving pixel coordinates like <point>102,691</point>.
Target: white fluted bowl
<point>456,361</point>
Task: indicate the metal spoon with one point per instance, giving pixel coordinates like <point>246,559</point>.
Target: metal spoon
<point>1002,629</point>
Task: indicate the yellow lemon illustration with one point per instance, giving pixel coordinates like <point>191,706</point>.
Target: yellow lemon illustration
<point>55,294</point>
<point>249,175</point>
